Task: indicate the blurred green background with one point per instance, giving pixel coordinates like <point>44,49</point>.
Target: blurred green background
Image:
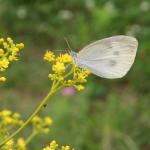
<point>109,114</point>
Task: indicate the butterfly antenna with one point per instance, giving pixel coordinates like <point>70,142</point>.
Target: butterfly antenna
<point>68,45</point>
<point>59,50</point>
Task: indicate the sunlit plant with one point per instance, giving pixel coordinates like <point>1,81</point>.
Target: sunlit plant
<point>8,52</point>
<point>63,73</point>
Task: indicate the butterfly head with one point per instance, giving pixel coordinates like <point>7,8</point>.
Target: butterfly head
<point>73,54</point>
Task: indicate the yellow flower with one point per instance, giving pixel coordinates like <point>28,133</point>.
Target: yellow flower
<point>5,113</point>
<point>16,115</point>
<point>46,130</point>
<point>65,73</point>
<point>21,145</point>
<point>65,58</point>
<point>48,120</point>
<point>49,56</point>
<point>4,64</point>
<point>1,52</point>
<point>58,68</point>
<point>12,58</point>
<point>2,79</point>
<point>14,50</point>
<point>20,45</point>
<point>36,119</point>
<point>1,40</point>
<point>65,148</point>
<point>81,77</point>
<point>10,41</point>
<point>8,52</point>
<point>79,87</point>
<point>8,120</point>
<point>9,145</point>
<point>53,145</point>
<point>41,125</point>
<point>6,46</point>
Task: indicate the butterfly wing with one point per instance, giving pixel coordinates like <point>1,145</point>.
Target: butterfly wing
<point>110,57</point>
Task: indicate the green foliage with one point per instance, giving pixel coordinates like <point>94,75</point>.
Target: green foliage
<point>110,114</point>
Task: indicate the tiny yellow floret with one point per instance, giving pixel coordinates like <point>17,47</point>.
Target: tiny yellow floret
<point>20,45</point>
<point>2,79</point>
<point>53,145</point>
<point>5,113</point>
<point>58,67</point>
<point>21,145</point>
<point>8,120</point>
<point>16,115</point>
<point>10,41</point>
<point>9,144</point>
<point>49,56</point>
<point>65,58</point>
<point>4,64</point>
<point>1,52</point>
<point>79,87</point>
<point>1,40</point>
<point>65,148</point>
<point>36,119</point>
<point>48,120</point>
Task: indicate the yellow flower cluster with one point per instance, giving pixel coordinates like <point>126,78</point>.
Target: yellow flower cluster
<point>8,145</point>
<point>54,146</point>
<point>8,52</point>
<point>7,118</point>
<point>9,121</point>
<point>20,144</point>
<point>64,58</point>
<point>65,72</point>
<point>41,125</point>
<point>79,77</point>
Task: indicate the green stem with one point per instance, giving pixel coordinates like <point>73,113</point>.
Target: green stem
<point>29,139</point>
<point>52,91</point>
<point>70,72</point>
<point>55,87</point>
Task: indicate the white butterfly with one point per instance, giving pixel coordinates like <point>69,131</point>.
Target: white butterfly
<point>109,58</point>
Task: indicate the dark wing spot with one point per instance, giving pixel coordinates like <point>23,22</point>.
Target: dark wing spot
<point>112,63</point>
<point>116,53</point>
<point>132,50</point>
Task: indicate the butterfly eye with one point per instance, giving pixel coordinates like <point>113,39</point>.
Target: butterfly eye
<point>112,63</point>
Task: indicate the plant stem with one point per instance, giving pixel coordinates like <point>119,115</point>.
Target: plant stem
<point>55,87</point>
<point>51,92</point>
<point>29,139</point>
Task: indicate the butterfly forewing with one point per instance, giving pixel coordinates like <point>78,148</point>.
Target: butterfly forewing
<point>110,58</point>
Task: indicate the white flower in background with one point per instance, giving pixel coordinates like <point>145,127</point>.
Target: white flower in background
<point>109,6</point>
<point>133,29</point>
<point>21,12</point>
<point>65,14</point>
<point>145,6</point>
<point>43,27</point>
<point>90,4</point>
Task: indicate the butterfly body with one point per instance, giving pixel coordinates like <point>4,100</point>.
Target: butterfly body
<point>108,58</point>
